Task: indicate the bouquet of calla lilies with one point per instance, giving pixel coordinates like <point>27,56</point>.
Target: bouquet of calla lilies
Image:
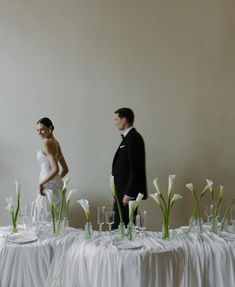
<point>10,207</point>
<point>165,202</point>
<point>196,215</point>
<point>64,200</point>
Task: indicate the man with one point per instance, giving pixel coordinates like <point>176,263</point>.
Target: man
<point>128,167</point>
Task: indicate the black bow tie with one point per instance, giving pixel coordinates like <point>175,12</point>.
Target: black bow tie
<point>122,136</point>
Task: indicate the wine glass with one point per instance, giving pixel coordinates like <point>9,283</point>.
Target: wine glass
<point>109,219</point>
<point>208,213</point>
<point>24,215</point>
<point>232,217</point>
<point>141,222</point>
<point>100,217</point>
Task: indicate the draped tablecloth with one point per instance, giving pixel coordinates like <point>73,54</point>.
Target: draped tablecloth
<point>28,264</point>
<point>69,260</point>
<point>187,260</point>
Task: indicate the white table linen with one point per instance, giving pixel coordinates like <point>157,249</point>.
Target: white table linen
<point>187,260</point>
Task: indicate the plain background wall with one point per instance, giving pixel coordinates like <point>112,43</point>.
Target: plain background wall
<point>77,61</point>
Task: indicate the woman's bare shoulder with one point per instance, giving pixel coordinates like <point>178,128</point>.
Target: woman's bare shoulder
<point>50,146</point>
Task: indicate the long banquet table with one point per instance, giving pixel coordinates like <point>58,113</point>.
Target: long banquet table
<point>69,260</point>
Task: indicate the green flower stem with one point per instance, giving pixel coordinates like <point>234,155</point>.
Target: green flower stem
<point>226,213</point>
<point>67,209</point>
<point>53,220</point>
<point>60,212</point>
<point>119,209</point>
<point>89,229</point>
<point>166,225</point>
<point>17,208</point>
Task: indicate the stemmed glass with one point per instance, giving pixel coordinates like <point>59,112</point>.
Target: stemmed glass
<point>232,217</point>
<point>208,213</point>
<point>100,217</point>
<point>109,219</point>
<point>24,214</point>
<point>141,222</point>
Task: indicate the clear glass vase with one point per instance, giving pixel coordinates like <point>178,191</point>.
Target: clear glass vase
<point>14,229</point>
<point>88,230</point>
<point>215,225</point>
<point>66,222</point>
<point>165,231</point>
<point>130,230</point>
<point>59,227</point>
<point>121,231</point>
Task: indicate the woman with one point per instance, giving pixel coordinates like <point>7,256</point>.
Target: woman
<point>53,169</point>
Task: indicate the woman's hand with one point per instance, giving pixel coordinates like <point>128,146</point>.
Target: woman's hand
<point>40,190</point>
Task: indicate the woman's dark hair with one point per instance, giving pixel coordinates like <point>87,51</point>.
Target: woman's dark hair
<point>46,122</point>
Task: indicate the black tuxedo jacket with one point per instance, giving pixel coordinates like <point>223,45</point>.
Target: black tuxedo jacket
<point>128,166</point>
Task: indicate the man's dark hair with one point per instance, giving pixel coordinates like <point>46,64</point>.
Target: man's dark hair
<point>126,113</point>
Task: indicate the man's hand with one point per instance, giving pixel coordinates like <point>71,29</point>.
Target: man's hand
<point>126,199</point>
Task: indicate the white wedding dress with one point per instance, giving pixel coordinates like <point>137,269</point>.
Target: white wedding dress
<point>41,209</point>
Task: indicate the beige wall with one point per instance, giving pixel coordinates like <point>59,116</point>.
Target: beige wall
<point>77,61</point>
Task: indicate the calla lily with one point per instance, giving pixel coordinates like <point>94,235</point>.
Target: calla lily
<point>155,183</point>
<point>156,197</point>
<point>139,198</point>
<point>221,192</point>
<point>68,196</point>
<point>85,205</point>
<point>132,206</point>
<point>165,203</point>
<point>66,180</point>
<point>112,185</point>
<point>10,206</point>
<point>18,187</point>
<point>175,197</point>
<point>209,184</point>
<point>9,200</point>
<point>50,197</point>
<point>171,179</point>
<point>111,181</point>
<point>190,187</point>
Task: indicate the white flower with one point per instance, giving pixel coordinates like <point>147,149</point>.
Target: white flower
<point>111,180</point>
<point>221,192</point>
<point>190,186</point>
<point>132,207</point>
<point>10,204</point>
<point>175,197</point>
<point>139,198</point>
<point>156,197</point>
<point>171,179</point>
<point>155,183</point>
<point>133,204</point>
<point>66,180</point>
<point>18,187</point>
<point>50,197</point>
<point>209,184</point>
<point>68,196</point>
<point>85,205</point>
<point>9,200</point>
